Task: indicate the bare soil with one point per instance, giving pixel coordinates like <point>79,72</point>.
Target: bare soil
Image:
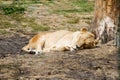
<point>99,63</point>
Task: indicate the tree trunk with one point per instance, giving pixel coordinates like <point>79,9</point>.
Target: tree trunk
<point>118,32</point>
<point>106,19</point>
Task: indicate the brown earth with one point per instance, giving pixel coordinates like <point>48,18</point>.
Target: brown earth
<point>99,63</point>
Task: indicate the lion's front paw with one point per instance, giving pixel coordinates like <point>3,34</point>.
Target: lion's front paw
<point>35,52</point>
<point>32,52</point>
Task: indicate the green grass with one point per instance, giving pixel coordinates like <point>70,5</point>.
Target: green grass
<point>21,5</point>
<point>11,8</point>
<point>19,18</point>
<point>73,20</point>
<point>37,27</point>
<point>30,22</point>
<point>4,32</point>
<point>67,11</point>
<point>77,6</point>
<point>12,15</point>
<point>84,5</point>
<point>17,6</point>
<point>7,25</point>
<point>15,21</point>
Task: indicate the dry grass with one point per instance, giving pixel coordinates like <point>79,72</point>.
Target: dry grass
<point>50,12</point>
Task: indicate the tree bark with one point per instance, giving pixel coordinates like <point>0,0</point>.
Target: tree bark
<point>118,32</point>
<point>106,19</point>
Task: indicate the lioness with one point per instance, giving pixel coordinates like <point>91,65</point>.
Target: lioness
<point>60,41</point>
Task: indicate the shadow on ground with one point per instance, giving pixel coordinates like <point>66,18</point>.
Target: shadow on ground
<point>99,63</point>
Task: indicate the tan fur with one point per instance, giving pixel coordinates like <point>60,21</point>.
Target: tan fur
<point>60,41</point>
<point>33,42</point>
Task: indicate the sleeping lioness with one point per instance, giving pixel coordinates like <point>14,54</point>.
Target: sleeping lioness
<point>60,41</point>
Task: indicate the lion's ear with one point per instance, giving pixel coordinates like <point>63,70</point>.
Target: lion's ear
<point>83,29</point>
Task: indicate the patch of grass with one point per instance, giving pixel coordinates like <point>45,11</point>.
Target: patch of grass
<point>67,11</point>
<point>11,8</point>
<point>19,17</point>
<point>37,27</point>
<point>29,2</point>
<point>4,32</point>
<point>84,5</point>
<point>47,2</point>
<point>19,22</point>
<point>77,6</point>
<point>11,21</point>
<point>30,22</point>
<point>17,6</point>
<point>6,24</point>
<point>73,20</point>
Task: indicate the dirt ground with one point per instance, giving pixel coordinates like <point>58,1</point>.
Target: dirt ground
<point>99,63</point>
